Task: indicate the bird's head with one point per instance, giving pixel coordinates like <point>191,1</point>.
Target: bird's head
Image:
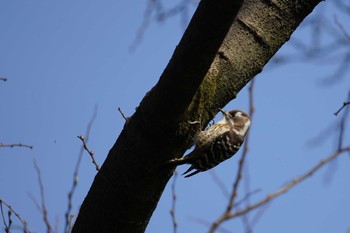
<point>239,120</point>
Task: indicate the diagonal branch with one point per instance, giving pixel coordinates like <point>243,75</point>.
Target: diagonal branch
<point>289,185</point>
<point>341,108</point>
<point>2,202</point>
<point>90,152</point>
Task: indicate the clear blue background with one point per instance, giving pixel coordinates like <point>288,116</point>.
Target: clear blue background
<point>62,58</point>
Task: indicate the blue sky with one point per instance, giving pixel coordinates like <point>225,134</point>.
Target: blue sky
<point>63,58</point>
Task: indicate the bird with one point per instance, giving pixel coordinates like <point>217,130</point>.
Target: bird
<point>217,143</point>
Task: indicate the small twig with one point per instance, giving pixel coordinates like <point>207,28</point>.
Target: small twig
<point>145,24</point>
<point>342,127</point>
<point>3,79</point>
<point>245,150</point>
<point>248,192</point>
<point>9,213</point>
<point>7,228</point>
<point>76,172</point>
<point>16,145</point>
<point>343,122</point>
<point>26,230</point>
<point>70,205</point>
<point>172,210</point>
<point>340,109</point>
<point>155,11</point>
<point>42,195</point>
<point>70,223</point>
<point>91,153</point>
<point>121,112</point>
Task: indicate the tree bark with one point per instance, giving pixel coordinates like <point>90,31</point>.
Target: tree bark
<point>218,55</point>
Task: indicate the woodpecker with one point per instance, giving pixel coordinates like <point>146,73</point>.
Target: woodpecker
<point>217,143</point>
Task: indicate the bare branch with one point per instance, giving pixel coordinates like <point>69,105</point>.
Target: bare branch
<point>172,210</point>
<point>343,123</point>
<point>332,51</point>
<point>342,127</point>
<point>7,228</point>
<point>288,186</point>
<point>245,150</point>
<point>146,21</point>
<point>26,230</point>
<point>156,9</point>
<point>70,223</point>
<point>339,110</point>
<point>9,213</point>
<point>42,195</point>
<point>16,145</point>
<point>68,214</point>
<point>121,112</point>
<point>229,215</point>
<point>91,153</point>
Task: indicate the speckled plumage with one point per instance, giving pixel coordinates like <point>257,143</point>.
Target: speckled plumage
<point>217,143</point>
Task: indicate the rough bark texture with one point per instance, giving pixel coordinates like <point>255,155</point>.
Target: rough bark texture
<point>217,56</point>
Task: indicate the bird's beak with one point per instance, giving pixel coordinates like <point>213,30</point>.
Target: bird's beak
<point>223,112</point>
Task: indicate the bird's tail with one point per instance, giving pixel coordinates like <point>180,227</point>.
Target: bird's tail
<point>191,174</point>
<point>181,161</point>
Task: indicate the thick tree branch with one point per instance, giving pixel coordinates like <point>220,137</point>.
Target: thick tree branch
<point>214,60</point>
